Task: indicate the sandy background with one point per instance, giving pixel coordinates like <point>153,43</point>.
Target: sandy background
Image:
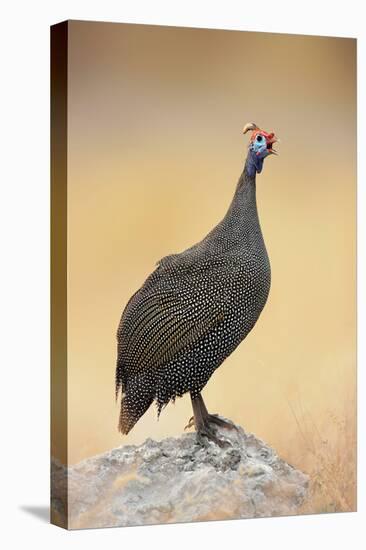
<point>154,153</point>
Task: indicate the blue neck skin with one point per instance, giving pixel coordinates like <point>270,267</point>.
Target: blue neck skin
<point>254,164</point>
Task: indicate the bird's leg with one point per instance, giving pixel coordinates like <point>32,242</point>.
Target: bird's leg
<point>203,411</point>
<point>213,418</point>
<point>203,429</point>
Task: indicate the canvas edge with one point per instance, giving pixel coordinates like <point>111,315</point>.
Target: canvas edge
<point>58,427</point>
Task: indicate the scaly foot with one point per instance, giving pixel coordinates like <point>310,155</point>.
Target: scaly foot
<point>215,419</point>
<point>205,434</point>
<point>203,421</point>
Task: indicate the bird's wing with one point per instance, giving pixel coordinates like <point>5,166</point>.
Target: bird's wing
<point>175,312</point>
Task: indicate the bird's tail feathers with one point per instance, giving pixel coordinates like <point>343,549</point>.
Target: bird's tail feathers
<point>126,419</point>
<point>136,399</point>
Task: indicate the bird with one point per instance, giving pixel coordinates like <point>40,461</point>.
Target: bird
<point>195,308</point>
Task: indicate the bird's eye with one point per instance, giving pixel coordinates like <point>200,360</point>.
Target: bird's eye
<point>259,138</point>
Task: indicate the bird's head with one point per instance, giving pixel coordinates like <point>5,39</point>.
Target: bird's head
<point>260,147</point>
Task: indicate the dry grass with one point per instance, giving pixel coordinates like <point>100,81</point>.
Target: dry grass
<point>328,453</point>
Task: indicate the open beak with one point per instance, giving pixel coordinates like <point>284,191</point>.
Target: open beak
<point>270,141</point>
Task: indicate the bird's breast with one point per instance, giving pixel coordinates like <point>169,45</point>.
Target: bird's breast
<point>249,286</point>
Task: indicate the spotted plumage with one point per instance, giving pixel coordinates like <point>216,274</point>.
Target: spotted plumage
<point>193,310</point>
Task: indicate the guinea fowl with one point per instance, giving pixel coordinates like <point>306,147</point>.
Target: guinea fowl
<point>195,309</point>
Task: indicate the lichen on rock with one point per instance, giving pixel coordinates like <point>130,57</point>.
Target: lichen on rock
<point>177,480</point>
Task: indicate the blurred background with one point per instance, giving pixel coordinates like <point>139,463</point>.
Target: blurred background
<point>154,153</point>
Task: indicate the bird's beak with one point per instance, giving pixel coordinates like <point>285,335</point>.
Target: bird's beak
<point>273,139</point>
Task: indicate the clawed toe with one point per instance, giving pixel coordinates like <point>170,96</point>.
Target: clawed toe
<point>215,419</point>
<point>204,435</point>
<point>206,424</point>
<point>190,423</point>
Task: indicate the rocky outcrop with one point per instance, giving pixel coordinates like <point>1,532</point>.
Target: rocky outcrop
<point>177,480</point>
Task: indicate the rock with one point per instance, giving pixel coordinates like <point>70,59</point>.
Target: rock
<point>177,480</point>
